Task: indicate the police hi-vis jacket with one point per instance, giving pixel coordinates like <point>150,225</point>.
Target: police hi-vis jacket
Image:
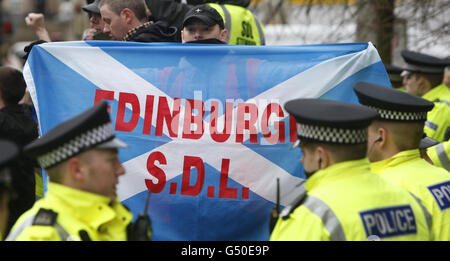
<point>437,125</point>
<point>346,201</point>
<point>243,27</point>
<point>429,183</point>
<point>440,92</point>
<point>69,214</point>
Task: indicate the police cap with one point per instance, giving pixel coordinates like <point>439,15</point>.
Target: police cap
<point>8,152</point>
<point>206,14</point>
<point>90,129</point>
<point>423,63</point>
<point>391,104</point>
<point>328,121</point>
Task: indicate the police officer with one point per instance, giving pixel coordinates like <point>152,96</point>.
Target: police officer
<point>80,157</point>
<point>425,80</point>
<point>8,152</point>
<point>342,199</point>
<point>96,23</point>
<point>393,149</point>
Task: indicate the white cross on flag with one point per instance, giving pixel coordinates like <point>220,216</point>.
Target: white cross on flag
<point>206,128</point>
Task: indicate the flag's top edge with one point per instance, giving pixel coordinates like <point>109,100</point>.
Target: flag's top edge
<point>361,45</point>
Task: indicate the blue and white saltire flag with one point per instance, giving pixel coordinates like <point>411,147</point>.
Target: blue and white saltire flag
<point>206,128</point>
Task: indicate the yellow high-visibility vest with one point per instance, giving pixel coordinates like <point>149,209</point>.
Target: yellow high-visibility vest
<point>440,92</point>
<point>427,182</point>
<point>243,27</point>
<point>346,201</point>
<point>66,214</point>
<point>437,125</point>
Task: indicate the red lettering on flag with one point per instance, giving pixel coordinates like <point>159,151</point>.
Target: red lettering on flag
<point>124,99</point>
<point>225,134</point>
<point>292,129</point>
<point>190,118</point>
<point>101,95</point>
<point>148,115</point>
<point>252,110</point>
<point>156,172</point>
<point>279,136</point>
<point>224,190</point>
<point>171,119</point>
<point>186,188</point>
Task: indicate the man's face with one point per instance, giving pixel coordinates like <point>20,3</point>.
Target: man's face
<point>96,22</point>
<point>197,30</point>
<point>102,168</point>
<point>413,84</point>
<point>115,25</point>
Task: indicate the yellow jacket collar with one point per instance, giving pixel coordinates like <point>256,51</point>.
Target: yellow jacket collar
<point>336,172</point>
<point>397,159</point>
<point>93,209</point>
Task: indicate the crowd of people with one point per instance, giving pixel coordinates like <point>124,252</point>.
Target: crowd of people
<point>379,170</point>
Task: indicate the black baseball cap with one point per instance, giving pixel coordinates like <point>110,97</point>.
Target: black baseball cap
<point>206,14</point>
<point>92,7</point>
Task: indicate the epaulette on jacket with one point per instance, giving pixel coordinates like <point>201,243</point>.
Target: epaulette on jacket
<point>45,217</point>
<point>286,212</point>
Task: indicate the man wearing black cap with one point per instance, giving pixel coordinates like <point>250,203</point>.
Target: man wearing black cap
<point>80,157</point>
<point>96,24</point>
<point>8,152</point>
<point>343,199</point>
<point>393,148</point>
<point>203,24</point>
<point>127,20</point>
<point>425,74</point>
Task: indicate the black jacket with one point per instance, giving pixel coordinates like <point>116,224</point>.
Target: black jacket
<point>152,32</point>
<point>170,11</point>
<point>17,125</point>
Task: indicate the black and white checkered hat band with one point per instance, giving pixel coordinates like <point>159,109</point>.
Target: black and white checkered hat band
<point>400,115</point>
<point>331,134</point>
<point>85,140</point>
